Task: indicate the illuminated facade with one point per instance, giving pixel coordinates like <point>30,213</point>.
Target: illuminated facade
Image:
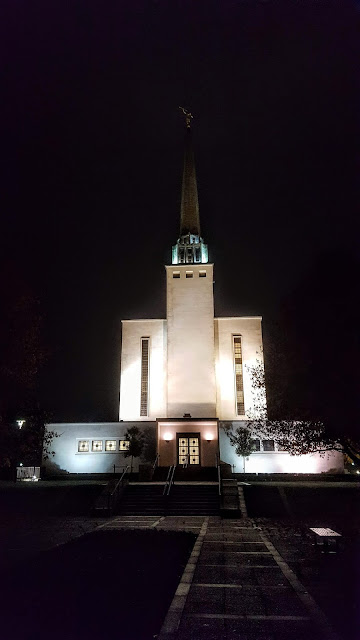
<point>183,375</point>
<point>187,372</point>
<point>193,364</point>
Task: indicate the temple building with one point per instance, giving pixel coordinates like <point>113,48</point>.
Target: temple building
<point>185,376</point>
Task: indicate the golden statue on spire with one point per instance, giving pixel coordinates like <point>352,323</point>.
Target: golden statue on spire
<point>188,117</point>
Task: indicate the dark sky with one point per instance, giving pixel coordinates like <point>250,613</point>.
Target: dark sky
<point>92,162</point>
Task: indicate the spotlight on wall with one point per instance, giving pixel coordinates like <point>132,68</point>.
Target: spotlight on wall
<point>167,437</point>
<point>208,437</point>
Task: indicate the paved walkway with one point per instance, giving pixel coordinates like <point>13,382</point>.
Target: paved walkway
<point>235,586</point>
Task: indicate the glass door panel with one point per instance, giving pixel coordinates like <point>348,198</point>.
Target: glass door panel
<point>189,450</point>
<point>183,450</point>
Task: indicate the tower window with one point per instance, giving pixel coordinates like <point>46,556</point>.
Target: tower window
<point>144,394</point>
<point>202,274</point>
<point>268,445</point>
<point>189,274</point>
<point>176,274</point>
<point>239,387</point>
<point>197,254</point>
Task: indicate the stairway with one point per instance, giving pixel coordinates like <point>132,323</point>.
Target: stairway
<point>193,499</point>
<point>185,499</point>
<point>143,499</point>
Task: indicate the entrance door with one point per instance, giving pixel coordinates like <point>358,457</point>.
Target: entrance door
<point>188,448</point>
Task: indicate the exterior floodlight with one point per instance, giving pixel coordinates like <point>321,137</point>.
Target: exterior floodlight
<point>20,423</point>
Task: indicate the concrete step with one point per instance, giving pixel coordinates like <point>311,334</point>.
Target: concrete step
<point>183,500</point>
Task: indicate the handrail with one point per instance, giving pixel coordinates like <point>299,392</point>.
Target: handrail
<point>218,466</point>
<point>120,480</point>
<point>155,461</point>
<point>171,481</point>
<point>116,489</point>
<point>167,480</point>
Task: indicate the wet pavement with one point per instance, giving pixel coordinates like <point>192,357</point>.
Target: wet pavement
<point>252,578</point>
<point>236,586</point>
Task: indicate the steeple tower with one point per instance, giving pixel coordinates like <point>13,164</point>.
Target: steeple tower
<point>190,248</point>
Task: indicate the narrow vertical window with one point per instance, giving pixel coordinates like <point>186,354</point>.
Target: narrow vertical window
<point>239,387</point>
<point>144,400</point>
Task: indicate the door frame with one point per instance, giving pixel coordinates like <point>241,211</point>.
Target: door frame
<point>187,434</point>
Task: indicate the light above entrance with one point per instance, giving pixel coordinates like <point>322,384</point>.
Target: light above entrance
<point>168,437</point>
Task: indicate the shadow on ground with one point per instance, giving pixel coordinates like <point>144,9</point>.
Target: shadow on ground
<point>107,584</point>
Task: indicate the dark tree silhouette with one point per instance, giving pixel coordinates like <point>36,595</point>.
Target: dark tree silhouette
<point>311,376</point>
<point>22,355</point>
<point>136,444</point>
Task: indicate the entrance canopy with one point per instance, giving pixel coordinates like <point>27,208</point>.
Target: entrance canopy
<point>188,441</point>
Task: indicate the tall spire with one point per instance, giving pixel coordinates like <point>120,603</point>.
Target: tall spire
<point>189,212</point>
<point>190,247</point>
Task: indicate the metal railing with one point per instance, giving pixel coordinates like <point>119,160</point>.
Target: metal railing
<point>117,466</point>
<point>218,467</point>
<point>27,473</point>
<point>156,461</point>
<point>114,495</point>
<point>169,480</point>
<point>219,479</point>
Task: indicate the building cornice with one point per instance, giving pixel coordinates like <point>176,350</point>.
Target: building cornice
<point>238,318</point>
<point>189,266</point>
<point>146,320</point>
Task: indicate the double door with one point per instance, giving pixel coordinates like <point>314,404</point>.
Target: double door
<point>188,448</point>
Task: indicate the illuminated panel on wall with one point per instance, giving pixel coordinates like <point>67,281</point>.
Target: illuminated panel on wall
<point>144,399</point>
<point>97,445</point>
<point>110,445</point>
<point>239,386</point>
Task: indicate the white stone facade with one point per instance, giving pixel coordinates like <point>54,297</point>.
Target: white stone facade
<point>249,328</point>
<point>191,358</point>
<point>190,341</point>
<point>130,378</point>
<point>68,458</point>
<point>277,461</point>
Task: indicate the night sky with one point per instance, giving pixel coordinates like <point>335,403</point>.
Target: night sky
<point>92,162</point>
